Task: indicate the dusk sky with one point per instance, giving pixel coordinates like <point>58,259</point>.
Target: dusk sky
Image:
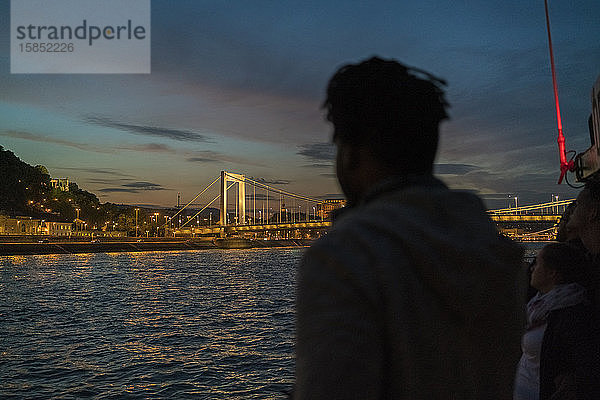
<point>237,86</point>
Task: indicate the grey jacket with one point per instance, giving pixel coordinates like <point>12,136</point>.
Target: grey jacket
<point>411,295</point>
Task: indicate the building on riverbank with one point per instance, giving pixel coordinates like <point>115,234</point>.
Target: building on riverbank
<point>59,229</point>
<point>325,209</point>
<point>30,226</point>
<point>19,226</point>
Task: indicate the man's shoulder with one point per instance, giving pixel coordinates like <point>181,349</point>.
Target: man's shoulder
<point>339,240</point>
<point>349,242</point>
<point>418,205</point>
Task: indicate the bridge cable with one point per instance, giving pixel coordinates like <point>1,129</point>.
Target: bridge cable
<point>205,207</point>
<point>532,207</point>
<point>191,201</point>
<point>281,191</point>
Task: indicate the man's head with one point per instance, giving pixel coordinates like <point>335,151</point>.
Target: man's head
<point>585,220</point>
<point>388,113</point>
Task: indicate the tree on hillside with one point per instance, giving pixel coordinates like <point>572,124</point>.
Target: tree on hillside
<point>21,184</point>
<point>26,191</point>
<point>43,170</point>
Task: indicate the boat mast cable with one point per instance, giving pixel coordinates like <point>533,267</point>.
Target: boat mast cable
<point>564,164</point>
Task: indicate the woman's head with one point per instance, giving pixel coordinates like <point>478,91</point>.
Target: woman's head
<point>559,263</point>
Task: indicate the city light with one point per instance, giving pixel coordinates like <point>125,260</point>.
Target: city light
<point>136,221</point>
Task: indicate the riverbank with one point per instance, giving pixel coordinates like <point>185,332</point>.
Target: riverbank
<point>157,244</point>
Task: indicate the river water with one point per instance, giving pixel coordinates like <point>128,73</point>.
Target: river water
<point>211,324</point>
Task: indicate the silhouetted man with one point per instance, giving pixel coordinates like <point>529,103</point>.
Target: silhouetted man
<point>412,294</point>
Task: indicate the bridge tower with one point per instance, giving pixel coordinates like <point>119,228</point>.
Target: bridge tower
<point>227,177</point>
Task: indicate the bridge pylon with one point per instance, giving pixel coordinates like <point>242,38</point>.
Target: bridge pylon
<point>227,177</point>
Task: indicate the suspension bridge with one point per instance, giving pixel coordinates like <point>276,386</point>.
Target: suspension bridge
<point>249,208</point>
<point>537,222</point>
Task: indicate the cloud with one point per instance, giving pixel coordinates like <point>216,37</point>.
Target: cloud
<point>496,186</point>
<point>318,152</point>
<point>100,181</point>
<point>454,169</point>
<point>149,147</point>
<point>118,190</point>
<point>175,134</point>
<point>201,156</point>
<point>133,187</point>
<point>143,186</point>
<point>202,159</point>
<point>101,171</point>
<point>45,139</point>
<point>209,156</point>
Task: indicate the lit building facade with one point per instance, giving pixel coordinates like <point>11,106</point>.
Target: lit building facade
<point>19,226</point>
<point>30,226</point>
<point>56,228</point>
<point>60,184</point>
<point>328,206</point>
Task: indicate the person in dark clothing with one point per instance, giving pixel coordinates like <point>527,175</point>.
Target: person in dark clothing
<point>563,234</point>
<point>558,359</point>
<point>412,294</point>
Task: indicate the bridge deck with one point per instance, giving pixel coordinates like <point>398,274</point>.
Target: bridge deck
<point>525,218</point>
<point>261,227</point>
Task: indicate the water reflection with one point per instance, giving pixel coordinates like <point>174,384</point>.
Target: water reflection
<point>161,324</point>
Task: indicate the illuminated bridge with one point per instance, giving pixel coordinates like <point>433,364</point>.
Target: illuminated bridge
<point>248,207</point>
<point>532,222</point>
<point>251,208</point>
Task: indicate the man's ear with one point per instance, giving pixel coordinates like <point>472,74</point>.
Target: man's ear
<point>350,157</point>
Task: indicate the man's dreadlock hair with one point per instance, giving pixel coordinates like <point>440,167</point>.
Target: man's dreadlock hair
<point>393,109</point>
